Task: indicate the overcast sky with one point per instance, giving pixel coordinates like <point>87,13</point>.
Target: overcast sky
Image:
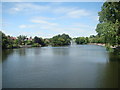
<point>45,19</point>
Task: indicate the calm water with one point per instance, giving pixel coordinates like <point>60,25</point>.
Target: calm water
<point>79,66</point>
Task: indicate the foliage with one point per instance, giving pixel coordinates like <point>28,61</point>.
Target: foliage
<point>6,42</point>
<point>39,41</point>
<point>21,39</point>
<point>60,40</point>
<point>28,42</point>
<point>15,46</point>
<point>9,42</point>
<point>96,39</point>
<point>109,27</point>
<point>108,47</point>
<point>47,41</point>
<point>36,45</point>
<point>82,40</point>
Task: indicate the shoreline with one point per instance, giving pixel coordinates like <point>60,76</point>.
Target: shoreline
<point>30,46</point>
<point>101,44</point>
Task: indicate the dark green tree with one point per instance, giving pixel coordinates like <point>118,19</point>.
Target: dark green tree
<point>60,40</point>
<point>109,26</point>
<point>21,39</point>
<point>82,40</point>
<point>39,41</point>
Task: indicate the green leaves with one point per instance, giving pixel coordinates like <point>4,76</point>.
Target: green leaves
<point>82,40</point>
<point>60,40</point>
<point>109,26</point>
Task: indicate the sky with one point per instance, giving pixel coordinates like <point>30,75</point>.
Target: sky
<point>47,19</point>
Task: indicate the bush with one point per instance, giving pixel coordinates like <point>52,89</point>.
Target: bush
<point>15,46</point>
<point>108,47</point>
<point>36,45</point>
<point>9,46</point>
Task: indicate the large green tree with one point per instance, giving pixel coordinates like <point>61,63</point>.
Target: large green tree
<point>6,41</point>
<point>39,41</point>
<point>82,40</point>
<point>109,26</point>
<point>60,40</point>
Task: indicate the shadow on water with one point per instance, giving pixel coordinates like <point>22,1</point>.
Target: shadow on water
<point>111,74</point>
<point>113,56</point>
<point>20,52</point>
<point>6,53</point>
<point>114,61</point>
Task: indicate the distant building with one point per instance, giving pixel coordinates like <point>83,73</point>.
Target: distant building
<point>30,39</point>
<point>12,38</point>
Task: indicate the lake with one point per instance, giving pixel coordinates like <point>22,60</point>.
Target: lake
<point>77,66</point>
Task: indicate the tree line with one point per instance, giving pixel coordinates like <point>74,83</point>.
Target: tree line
<point>58,40</point>
<point>9,42</point>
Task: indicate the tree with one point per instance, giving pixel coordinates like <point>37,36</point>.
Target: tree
<point>82,40</point>
<point>21,39</point>
<point>6,41</point>
<point>39,41</point>
<point>60,40</point>
<point>109,26</point>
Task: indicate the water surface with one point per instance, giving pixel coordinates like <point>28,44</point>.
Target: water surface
<point>79,66</point>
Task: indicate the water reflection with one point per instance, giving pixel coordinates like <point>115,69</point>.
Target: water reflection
<point>22,51</point>
<point>61,51</point>
<point>6,54</point>
<point>114,56</point>
<point>114,67</point>
<point>37,51</point>
<point>110,73</point>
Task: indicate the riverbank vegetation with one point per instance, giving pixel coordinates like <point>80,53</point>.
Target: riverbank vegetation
<point>109,23</point>
<point>9,42</point>
<point>108,28</point>
<point>60,40</point>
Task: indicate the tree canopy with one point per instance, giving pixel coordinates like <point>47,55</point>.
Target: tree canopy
<point>60,40</point>
<point>82,40</point>
<point>109,23</point>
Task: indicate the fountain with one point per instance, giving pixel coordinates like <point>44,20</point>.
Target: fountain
<point>73,43</point>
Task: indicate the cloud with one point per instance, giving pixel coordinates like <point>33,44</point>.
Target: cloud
<point>81,25</point>
<point>39,21</point>
<point>22,26</point>
<point>39,24</point>
<point>71,12</point>
<point>78,13</point>
<point>28,7</point>
<point>62,11</point>
<point>44,18</point>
